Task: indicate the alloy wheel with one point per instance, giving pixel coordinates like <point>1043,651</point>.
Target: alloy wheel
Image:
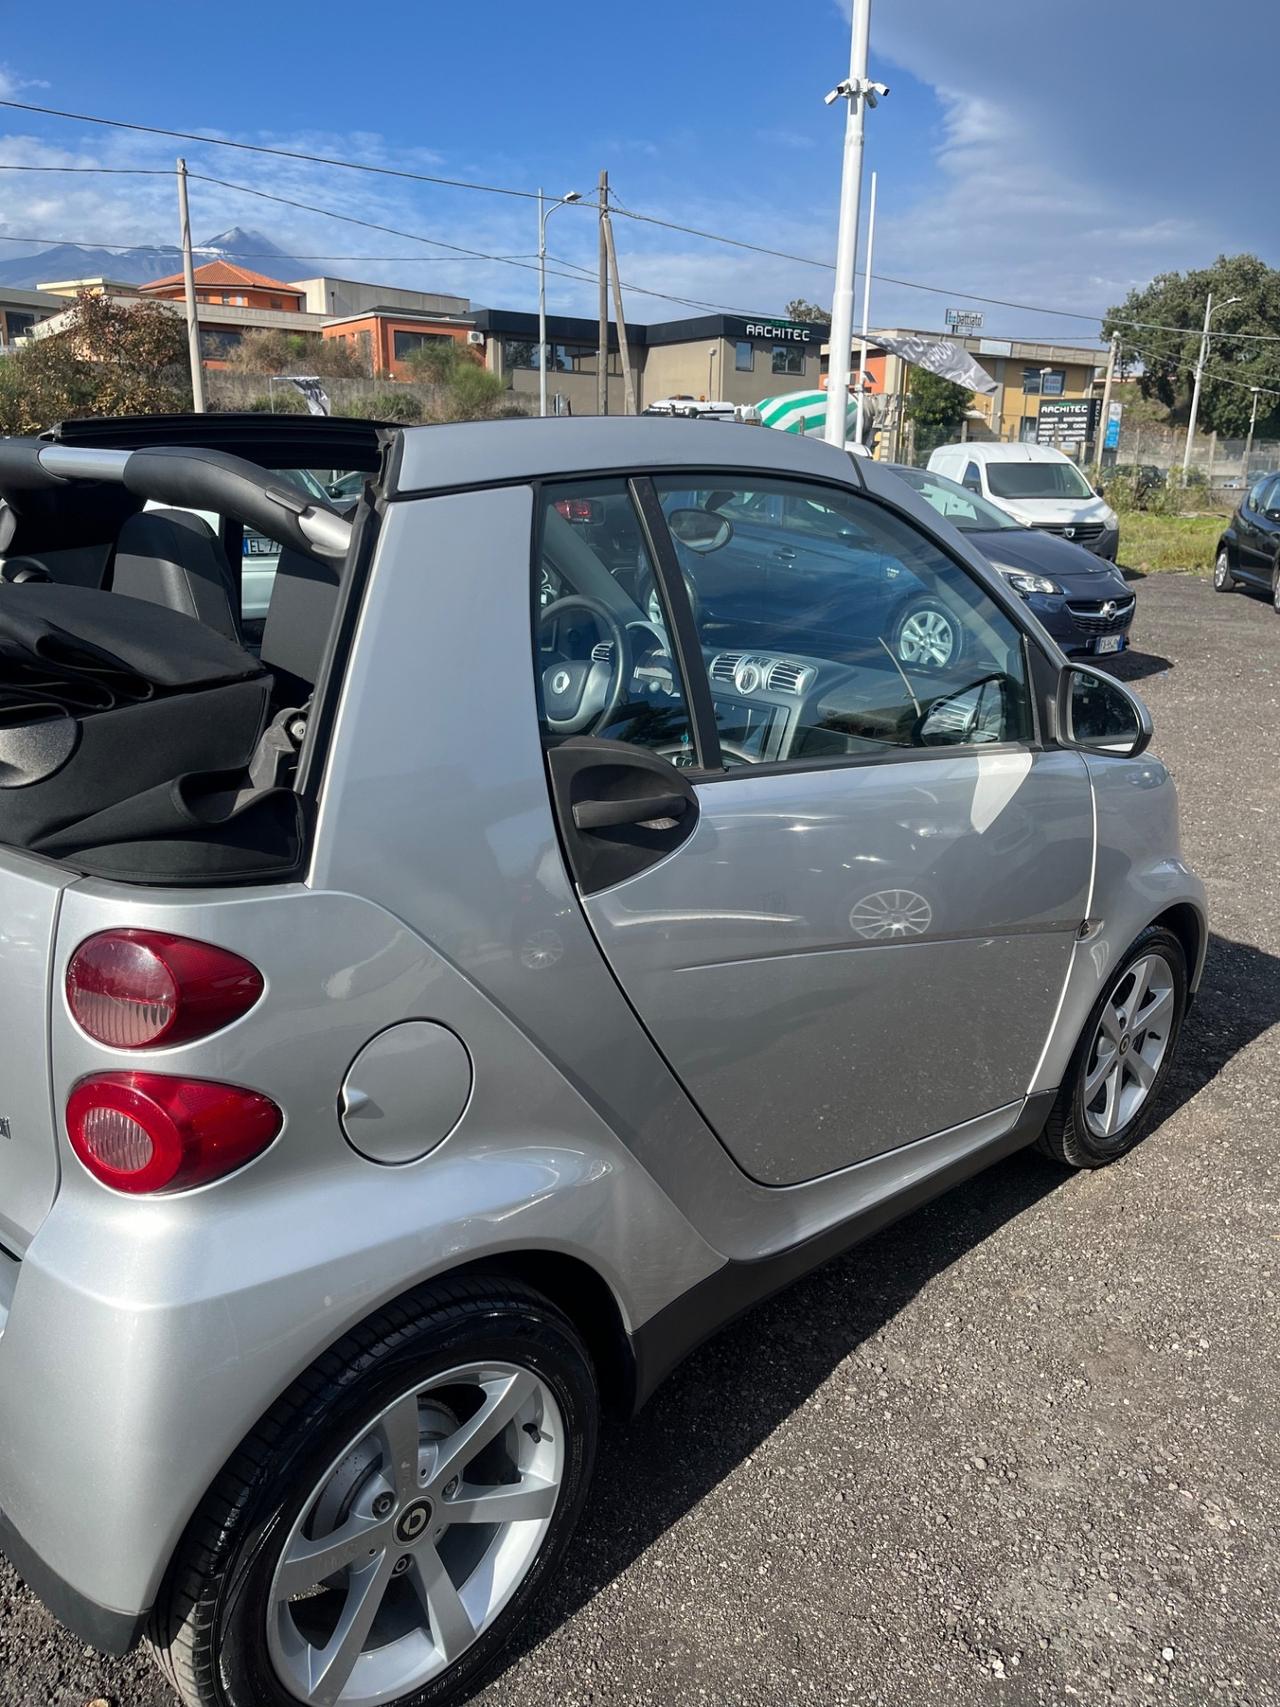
<point>1222,572</point>
<point>927,636</point>
<point>416,1536</point>
<point>1275,586</point>
<point>1129,1046</point>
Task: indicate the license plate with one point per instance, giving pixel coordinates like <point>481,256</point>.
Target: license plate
<point>1109,643</point>
<point>256,546</point>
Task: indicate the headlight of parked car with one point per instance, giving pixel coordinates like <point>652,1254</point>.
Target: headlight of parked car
<point>1023,582</point>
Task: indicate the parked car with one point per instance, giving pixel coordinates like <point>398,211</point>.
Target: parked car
<point>1082,600</point>
<point>1037,485</point>
<point>423,1032</point>
<point>1249,550</point>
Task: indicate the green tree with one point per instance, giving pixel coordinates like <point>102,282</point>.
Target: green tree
<point>109,359</point>
<point>1160,327</point>
<point>938,407</point>
<point>799,309</point>
<point>462,389</point>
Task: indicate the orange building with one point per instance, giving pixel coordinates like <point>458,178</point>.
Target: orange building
<point>223,284</point>
<point>385,338</point>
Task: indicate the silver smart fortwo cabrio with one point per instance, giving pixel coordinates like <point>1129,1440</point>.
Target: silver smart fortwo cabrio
<point>633,860</point>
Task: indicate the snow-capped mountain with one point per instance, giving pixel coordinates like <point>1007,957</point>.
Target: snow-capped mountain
<point>136,266</point>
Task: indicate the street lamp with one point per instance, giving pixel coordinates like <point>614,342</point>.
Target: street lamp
<point>1044,374</point>
<point>1256,390</point>
<point>1195,390</point>
<point>711,362</point>
<point>543,217</point>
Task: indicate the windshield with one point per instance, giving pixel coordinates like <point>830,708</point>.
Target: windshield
<point>1037,480</point>
<point>963,509</point>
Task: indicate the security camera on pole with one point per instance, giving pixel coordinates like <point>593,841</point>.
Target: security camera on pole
<point>860,94</point>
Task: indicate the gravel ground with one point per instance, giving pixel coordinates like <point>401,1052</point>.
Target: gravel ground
<point>1020,1448</point>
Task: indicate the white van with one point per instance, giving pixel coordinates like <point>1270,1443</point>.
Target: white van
<point>1036,485</point>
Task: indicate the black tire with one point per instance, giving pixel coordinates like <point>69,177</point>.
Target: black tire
<point>927,605</point>
<point>209,1630</point>
<point>1275,587</point>
<point>1224,580</point>
<point>1066,1136</point>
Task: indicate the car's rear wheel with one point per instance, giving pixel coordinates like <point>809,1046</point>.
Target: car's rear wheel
<point>1125,1051</point>
<point>928,635</point>
<point>379,1536</point>
<point>1275,586</point>
<point>1223,576</point>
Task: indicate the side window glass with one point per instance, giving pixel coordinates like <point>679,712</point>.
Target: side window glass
<point>603,664</point>
<point>831,628</point>
<point>1258,495</point>
<point>972,479</point>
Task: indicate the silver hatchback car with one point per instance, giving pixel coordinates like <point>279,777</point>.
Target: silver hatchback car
<point>591,905</point>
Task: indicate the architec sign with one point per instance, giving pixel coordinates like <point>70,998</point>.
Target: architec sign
<point>1066,421</point>
<point>778,331</point>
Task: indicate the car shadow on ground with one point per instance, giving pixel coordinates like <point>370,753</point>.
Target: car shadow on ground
<point>720,1405</point>
<point>1134,666</point>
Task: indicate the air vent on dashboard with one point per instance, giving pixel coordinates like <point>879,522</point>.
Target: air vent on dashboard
<point>724,664</point>
<point>602,652</point>
<point>786,676</point>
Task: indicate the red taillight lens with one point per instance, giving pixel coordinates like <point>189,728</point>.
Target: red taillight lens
<point>136,989</point>
<point>143,1132</point>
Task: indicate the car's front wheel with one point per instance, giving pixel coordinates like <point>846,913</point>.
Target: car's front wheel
<point>928,635</point>
<point>1123,1057</point>
<point>379,1536</point>
<point>1275,586</point>
<point>1223,576</point>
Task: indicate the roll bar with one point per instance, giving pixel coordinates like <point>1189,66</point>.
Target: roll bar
<point>190,478</point>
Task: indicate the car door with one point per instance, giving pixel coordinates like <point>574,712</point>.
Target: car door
<point>1250,538</point>
<point>1266,521</point>
<point>843,903</point>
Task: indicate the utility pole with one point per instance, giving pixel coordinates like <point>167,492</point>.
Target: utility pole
<point>624,353</point>
<point>602,351</point>
<point>859,93</point>
<point>1103,420</point>
<point>1248,443</point>
<point>189,280</point>
<point>866,306</point>
<point>1195,390</point>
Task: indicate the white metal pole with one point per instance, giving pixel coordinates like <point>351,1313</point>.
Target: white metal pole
<point>866,302</point>
<point>1100,433</point>
<point>841,343</point>
<point>542,307</point>
<point>1195,390</point>
<point>1248,443</point>
<point>189,281</point>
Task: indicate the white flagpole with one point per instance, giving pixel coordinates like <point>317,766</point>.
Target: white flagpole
<point>866,301</point>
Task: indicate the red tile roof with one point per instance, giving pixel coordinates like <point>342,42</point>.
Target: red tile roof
<point>225,273</point>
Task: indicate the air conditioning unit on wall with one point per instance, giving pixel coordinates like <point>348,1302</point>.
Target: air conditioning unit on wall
<point>474,337</point>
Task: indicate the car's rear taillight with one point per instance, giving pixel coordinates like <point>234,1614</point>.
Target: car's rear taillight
<point>146,1132</point>
<point>134,989</point>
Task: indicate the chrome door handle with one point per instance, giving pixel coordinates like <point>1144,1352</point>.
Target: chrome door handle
<point>785,555</point>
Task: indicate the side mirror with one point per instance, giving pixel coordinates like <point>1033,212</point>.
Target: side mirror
<point>700,530</point>
<point>1098,714</point>
<point>1273,515</point>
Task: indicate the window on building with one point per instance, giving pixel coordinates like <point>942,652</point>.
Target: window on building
<point>561,358</point>
<point>788,358</point>
<point>218,344</point>
<point>19,324</point>
<point>405,343</point>
<point>744,356</point>
<point>277,302</point>
<point>1055,382</point>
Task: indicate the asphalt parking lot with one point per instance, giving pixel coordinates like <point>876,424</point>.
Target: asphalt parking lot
<point>1020,1448</point>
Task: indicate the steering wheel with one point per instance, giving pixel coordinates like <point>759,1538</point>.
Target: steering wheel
<point>580,694</point>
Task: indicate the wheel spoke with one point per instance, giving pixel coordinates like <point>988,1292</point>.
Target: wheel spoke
<point>1160,1005</point>
<point>503,1400</point>
<point>451,1624</point>
<point>401,1431</point>
<point>1112,1025</point>
<point>1105,1064</point>
<point>332,1665</point>
<point>513,1502</point>
<point>310,1562</point>
<point>1142,1070</point>
<point>1111,1108</point>
<point>1138,994</point>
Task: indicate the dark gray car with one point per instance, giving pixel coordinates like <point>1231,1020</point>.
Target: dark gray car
<point>425,1025</point>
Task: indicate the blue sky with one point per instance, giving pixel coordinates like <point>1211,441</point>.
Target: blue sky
<point>1041,152</point>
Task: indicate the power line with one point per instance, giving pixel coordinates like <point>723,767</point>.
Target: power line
<point>262,148</point>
